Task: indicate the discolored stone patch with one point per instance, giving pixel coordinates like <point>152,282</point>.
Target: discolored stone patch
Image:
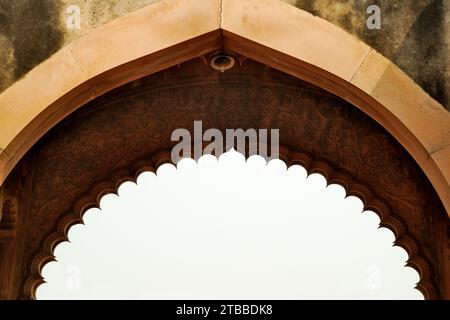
<point>413,35</point>
<point>29,33</point>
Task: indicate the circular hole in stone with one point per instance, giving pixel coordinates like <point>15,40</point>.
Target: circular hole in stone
<point>222,63</point>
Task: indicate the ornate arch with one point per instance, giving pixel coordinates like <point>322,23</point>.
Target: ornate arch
<point>128,130</point>
<point>116,56</point>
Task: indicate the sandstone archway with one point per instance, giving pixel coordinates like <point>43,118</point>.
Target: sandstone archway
<point>272,33</point>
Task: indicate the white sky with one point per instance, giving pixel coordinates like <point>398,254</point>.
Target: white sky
<point>229,229</point>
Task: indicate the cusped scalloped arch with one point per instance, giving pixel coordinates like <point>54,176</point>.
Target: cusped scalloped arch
<point>113,182</point>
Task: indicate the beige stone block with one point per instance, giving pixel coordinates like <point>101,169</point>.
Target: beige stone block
<point>442,160</point>
<point>295,32</point>
<point>439,166</point>
<point>43,85</point>
<point>145,31</point>
<point>421,114</point>
<point>371,70</point>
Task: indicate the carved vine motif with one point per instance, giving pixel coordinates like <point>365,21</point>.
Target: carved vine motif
<point>127,130</point>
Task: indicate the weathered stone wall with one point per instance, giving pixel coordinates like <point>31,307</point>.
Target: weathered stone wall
<point>414,34</point>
